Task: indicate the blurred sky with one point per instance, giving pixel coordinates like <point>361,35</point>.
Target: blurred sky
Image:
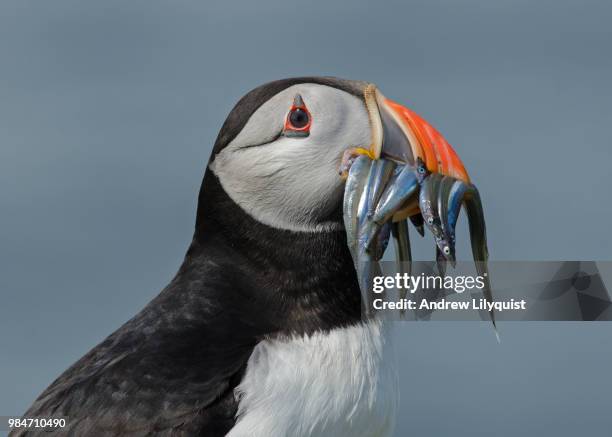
<point>108,111</point>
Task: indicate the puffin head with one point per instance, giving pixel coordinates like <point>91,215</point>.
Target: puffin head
<point>280,153</point>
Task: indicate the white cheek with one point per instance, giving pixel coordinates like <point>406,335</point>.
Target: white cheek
<point>293,183</point>
<point>282,188</point>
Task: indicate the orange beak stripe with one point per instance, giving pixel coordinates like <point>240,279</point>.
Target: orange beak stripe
<point>436,152</point>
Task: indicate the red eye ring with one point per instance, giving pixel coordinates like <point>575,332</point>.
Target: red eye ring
<point>298,120</point>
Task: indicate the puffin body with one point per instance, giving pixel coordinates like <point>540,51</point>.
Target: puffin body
<point>260,332</point>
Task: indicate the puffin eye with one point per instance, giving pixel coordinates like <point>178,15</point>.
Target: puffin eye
<point>298,118</point>
<point>298,121</point>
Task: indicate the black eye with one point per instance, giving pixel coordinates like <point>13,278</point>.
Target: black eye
<point>298,118</point>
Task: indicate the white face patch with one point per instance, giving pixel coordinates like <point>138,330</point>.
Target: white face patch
<point>293,183</point>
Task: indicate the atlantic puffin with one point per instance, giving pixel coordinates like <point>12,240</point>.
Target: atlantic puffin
<point>260,333</point>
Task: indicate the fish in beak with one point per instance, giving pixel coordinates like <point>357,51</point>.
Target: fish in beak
<point>408,172</point>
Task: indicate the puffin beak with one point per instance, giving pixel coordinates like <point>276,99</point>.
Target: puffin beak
<point>409,171</point>
<point>401,135</point>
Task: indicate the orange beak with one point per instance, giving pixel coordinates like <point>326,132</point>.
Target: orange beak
<point>400,134</point>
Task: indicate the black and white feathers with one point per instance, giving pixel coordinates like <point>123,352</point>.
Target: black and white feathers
<point>268,263</point>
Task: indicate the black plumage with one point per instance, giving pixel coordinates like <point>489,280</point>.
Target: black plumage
<point>171,369</point>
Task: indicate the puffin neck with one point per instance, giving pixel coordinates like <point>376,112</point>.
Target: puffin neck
<point>307,277</point>
<point>218,216</point>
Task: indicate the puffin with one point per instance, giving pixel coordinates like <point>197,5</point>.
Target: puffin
<point>260,333</point>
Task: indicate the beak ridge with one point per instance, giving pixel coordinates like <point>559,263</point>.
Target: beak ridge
<point>401,135</point>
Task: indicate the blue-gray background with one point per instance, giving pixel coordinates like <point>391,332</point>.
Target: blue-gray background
<point>108,111</point>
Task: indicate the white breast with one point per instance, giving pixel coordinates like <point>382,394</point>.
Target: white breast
<point>340,383</point>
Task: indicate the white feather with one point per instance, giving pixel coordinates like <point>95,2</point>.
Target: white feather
<point>341,383</point>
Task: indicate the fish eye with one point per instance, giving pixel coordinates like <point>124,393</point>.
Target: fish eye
<point>446,250</point>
